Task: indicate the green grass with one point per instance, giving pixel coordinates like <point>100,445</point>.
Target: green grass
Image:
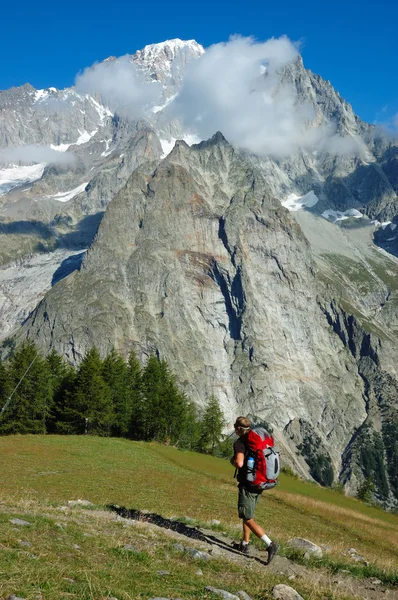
<point>41,473</point>
<point>354,272</point>
<point>352,279</point>
<point>386,270</point>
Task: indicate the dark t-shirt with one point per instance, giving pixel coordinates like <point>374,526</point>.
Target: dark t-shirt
<point>240,446</point>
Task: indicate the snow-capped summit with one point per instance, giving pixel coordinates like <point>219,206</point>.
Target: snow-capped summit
<point>168,49</point>
<point>166,61</point>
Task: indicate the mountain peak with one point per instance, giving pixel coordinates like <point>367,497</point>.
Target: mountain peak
<point>168,59</point>
<point>169,49</point>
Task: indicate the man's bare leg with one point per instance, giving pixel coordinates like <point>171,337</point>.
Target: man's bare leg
<point>246,532</point>
<point>251,525</point>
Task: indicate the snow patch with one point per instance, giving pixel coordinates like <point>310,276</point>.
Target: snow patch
<point>156,109</point>
<point>15,176</point>
<point>60,147</point>
<point>294,202</point>
<point>338,215</point>
<point>40,95</point>
<point>84,137</point>
<point>103,111</point>
<point>169,48</point>
<point>107,152</point>
<point>66,196</point>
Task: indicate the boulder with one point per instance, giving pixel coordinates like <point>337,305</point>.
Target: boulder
<point>20,522</point>
<point>225,595</point>
<point>285,592</point>
<point>197,554</point>
<point>353,554</point>
<point>305,546</point>
<point>80,502</point>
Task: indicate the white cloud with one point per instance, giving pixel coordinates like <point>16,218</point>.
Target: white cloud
<point>121,86</point>
<point>34,154</point>
<point>236,87</point>
<point>386,122</point>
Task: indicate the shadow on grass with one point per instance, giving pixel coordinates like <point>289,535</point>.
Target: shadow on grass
<point>359,571</point>
<point>180,527</point>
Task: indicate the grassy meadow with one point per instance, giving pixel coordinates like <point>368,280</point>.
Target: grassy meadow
<point>79,552</point>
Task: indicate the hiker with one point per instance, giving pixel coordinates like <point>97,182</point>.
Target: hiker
<point>248,495</point>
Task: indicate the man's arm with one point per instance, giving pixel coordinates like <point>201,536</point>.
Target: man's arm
<point>238,460</point>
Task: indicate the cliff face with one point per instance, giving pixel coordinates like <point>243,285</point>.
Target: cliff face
<point>198,262</point>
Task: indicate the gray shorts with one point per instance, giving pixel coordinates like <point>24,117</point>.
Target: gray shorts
<point>247,502</point>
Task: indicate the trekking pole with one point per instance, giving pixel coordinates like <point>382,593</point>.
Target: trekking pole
<point>17,386</point>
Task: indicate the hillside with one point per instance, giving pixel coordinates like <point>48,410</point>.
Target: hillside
<point>77,551</point>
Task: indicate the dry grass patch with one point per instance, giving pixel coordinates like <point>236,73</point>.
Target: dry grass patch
<point>89,554</point>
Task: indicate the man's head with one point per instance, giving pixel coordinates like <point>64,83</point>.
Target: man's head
<point>242,426</point>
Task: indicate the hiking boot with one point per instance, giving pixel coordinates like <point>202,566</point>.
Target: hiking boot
<point>241,547</point>
<point>272,550</point>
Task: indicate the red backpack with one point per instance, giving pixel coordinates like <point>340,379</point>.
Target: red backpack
<point>262,463</point>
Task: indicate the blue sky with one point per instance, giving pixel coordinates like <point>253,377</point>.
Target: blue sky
<point>351,44</point>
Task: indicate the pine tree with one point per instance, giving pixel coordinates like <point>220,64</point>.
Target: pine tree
<point>164,408</point>
<point>172,407</point>
<point>190,434</point>
<point>5,387</point>
<point>147,413</point>
<point>89,403</point>
<point>390,436</point>
<point>366,490</point>
<point>115,373</point>
<point>211,426</point>
<point>135,384</point>
<point>31,402</point>
<point>62,376</point>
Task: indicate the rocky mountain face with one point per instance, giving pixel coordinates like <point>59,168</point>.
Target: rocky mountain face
<point>256,277</point>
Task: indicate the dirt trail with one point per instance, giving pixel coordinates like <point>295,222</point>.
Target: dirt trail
<point>218,545</point>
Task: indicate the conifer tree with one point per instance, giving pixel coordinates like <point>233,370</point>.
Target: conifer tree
<point>135,384</point>
<point>5,386</point>
<point>211,426</point>
<point>147,413</point>
<point>89,403</point>
<point>32,400</point>
<point>116,374</point>
<point>164,408</point>
<point>190,434</point>
<point>172,407</point>
<point>62,376</point>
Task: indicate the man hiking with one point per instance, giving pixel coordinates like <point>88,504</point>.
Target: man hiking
<point>248,495</point>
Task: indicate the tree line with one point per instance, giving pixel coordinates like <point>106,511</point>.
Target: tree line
<point>106,397</point>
